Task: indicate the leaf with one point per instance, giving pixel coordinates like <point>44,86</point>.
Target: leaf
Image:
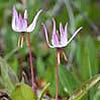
<point>23,92</point>
<point>40,68</point>
<point>8,77</point>
<point>43,91</point>
<point>4,1</point>
<point>50,77</point>
<point>67,79</point>
<point>79,93</point>
<point>86,58</point>
<point>97,93</point>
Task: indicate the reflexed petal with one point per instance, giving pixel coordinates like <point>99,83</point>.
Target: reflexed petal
<point>65,30</point>
<point>46,35</point>
<point>63,34</point>
<point>20,23</point>
<point>54,40</point>
<point>73,36</point>
<point>24,25</point>
<point>25,14</point>
<point>25,20</point>
<point>14,18</point>
<point>61,28</point>
<point>32,26</point>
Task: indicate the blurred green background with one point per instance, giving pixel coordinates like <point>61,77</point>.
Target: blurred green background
<point>83,53</point>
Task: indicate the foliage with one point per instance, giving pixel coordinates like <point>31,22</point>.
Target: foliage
<point>83,55</point>
<point>23,91</point>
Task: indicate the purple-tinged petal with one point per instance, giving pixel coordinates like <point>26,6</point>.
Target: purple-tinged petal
<point>24,25</point>
<point>66,31</point>
<point>54,40</point>
<point>73,36</point>
<point>20,23</point>
<point>33,24</point>
<point>46,36</point>
<point>63,34</point>
<point>14,19</point>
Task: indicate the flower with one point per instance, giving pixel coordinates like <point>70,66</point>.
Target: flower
<point>20,24</point>
<point>62,40</point>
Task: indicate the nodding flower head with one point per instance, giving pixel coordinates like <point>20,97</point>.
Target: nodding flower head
<point>62,40</point>
<point>20,24</point>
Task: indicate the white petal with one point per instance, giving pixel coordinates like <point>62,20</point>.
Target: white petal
<point>14,16</point>
<point>33,24</point>
<point>25,14</point>
<point>46,36</point>
<point>72,37</point>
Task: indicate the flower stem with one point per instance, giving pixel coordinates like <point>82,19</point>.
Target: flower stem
<point>31,65</point>
<point>57,72</point>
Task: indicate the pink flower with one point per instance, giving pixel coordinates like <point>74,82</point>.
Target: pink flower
<point>62,40</point>
<point>20,24</point>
